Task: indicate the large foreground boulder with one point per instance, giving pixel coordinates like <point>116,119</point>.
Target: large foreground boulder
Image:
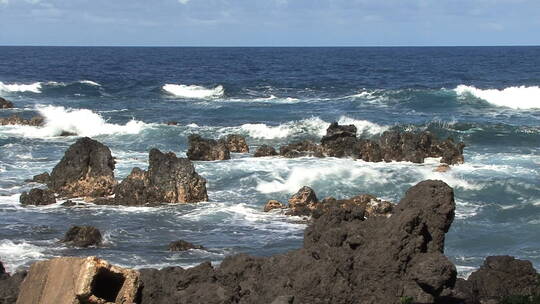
<point>169,179</point>
<point>5,104</point>
<point>207,149</point>
<point>83,236</point>
<point>86,170</point>
<point>37,197</point>
<point>78,281</point>
<point>346,258</point>
<point>14,119</point>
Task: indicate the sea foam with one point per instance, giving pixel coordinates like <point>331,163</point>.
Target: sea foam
<point>193,91</point>
<point>521,97</point>
<point>15,87</point>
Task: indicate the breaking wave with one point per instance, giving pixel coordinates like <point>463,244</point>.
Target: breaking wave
<point>521,97</point>
<point>38,87</point>
<point>193,91</point>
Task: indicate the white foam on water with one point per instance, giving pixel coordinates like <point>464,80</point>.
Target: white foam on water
<point>82,122</point>
<point>521,97</point>
<point>465,271</point>
<point>90,82</point>
<point>16,87</point>
<point>19,253</point>
<point>194,91</point>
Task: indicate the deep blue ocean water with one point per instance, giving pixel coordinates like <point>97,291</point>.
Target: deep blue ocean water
<point>488,97</point>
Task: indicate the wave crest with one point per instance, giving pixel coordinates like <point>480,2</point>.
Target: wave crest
<point>193,91</point>
<point>521,97</point>
<point>15,87</point>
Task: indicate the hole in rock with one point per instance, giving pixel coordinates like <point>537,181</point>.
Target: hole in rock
<point>107,284</point>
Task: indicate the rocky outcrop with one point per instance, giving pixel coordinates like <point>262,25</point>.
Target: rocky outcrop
<point>499,280</point>
<point>5,104</point>
<point>37,197</point>
<point>265,150</point>
<point>339,140</point>
<point>9,285</point>
<point>236,143</point>
<point>182,245</point>
<point>36,121</point>
<point>302,202</point>
<point>43,178</point>
<point>78,281</point>
<point>83,236</point>
<point>273,204</point>
<point>169,179</point>
<point>207,149</point>
<point>86,170</point>
<point>301,149</point>
<point>346,258</point>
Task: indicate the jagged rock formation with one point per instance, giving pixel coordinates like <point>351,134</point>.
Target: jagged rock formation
<point>43,178</point>
<point>86,170</point>
<point>9,285</point>
<point>300,149</point>
<point>37,197</point>
<point>36,121</point>
<point>5,104</point>
<point>265,150</point>
<point>346,258</point>
<point>78,281</point>
<point>169,179</point>
<point>83,236</point>
<point>236,143</point>
<point>182,245</point>
<point>207,149</point>
<point>273,204</point>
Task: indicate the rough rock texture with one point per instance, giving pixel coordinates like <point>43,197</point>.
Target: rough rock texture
<point>86,170</point>
<point>302,202</point>
<point>236,143</point>
<point>169,179</point>
<point>182,245</point>
<point>501,277</point>
<point>345,259</point>
<point>265,150</point>
<point>78,281</point>
<point>2,269</point>
<point>37,197</point>
<point>83,236</point>
<point>43,178</point>
<point>9,286</point>
<point>5,104</point>
<point>273,204</point>
<point>207,149</point>
<point>35,121</point>
<point>339,141</point>
<point>300,149</point>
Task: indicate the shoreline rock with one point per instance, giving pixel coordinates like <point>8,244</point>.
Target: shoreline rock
<point>205,149</point>
<point>236,143</point>
<point>5,104</point>
<point>37,197</point>
<point>265,150</point>
<point>182,245</point>
<point>36,121</point>
<point>83,236</point>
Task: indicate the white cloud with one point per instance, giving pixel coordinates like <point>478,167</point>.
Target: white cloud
<point>183,1</point>
<point>4,1</point>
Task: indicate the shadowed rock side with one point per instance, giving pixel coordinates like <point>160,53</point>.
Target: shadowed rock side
<point>236,143</point>
<point>37,197</point>
<point>5,104</point>
<point>182,245</point>
<point>83,236</point>
<point>345,259</point>
<point>265,150</point>
<point>9,285</point>
<point>169,179</point>
<point>86,170</point>
<point>35,121</point>
<point>207,149</point>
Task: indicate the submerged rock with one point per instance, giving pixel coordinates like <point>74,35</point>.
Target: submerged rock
<point>83,236</point>
<point>5,104</point>
<point>236,143</point>
<point>86,170</point>
<point>346,258</point>
<point>273,204</point>
<point>207,149</point>
<point>36,121</point>
<point>79,281</point>
<point>169,179</point>
<point>182,245</point>
<point>37,197</point>
<point>265,150</point>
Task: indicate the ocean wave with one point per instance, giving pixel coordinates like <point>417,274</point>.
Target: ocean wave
<point>521,97</point>
<point>15,87</point>
<point>82,122</point>
<point>17,254</point>
<point>193,91</point>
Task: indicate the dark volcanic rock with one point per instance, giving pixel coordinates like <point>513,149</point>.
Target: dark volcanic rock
<point>86,170</point>
<point>265,150</point>
<point>83,236</point>
<point>236,143</point>
<point>35,121</point>
<point>345,259</point>
<point>500,277</point>
<point>169,179</point>
<point>9,286</point>
<point>182,245</point>
<point>273,204</point>
<point>339,140</point>
<point>5,104</point>
<point>300,149</point>
<point>2,269</point>
<point>302,202</point>
<point>207,149</point>
<point>43,178</point>
<point>38,197</point>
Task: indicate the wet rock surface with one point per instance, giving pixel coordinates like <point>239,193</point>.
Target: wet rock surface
<point>86,170</point>
<point>169,179</point>
<point>35,121</point>
<point>273,204</point>
<point>83,236</point>
<point>182,245</point>
<point>236,143</point>
<point>346,258</point>
<point>37,197</point>
<point>301,149</point>
<point>207,149</point>
<point>265,150</point>
<point>5,104</point>
<point>43,178</point>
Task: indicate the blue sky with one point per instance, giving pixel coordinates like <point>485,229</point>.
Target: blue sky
<point>269,22</point>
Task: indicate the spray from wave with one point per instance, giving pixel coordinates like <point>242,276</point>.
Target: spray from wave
<point>15,88</point>
<point>193,91</point>
<point>521,97</point>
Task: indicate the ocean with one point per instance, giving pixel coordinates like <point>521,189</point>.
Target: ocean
<point>487,97</point>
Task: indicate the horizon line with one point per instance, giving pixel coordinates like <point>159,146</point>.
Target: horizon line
<point>269,46</point>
